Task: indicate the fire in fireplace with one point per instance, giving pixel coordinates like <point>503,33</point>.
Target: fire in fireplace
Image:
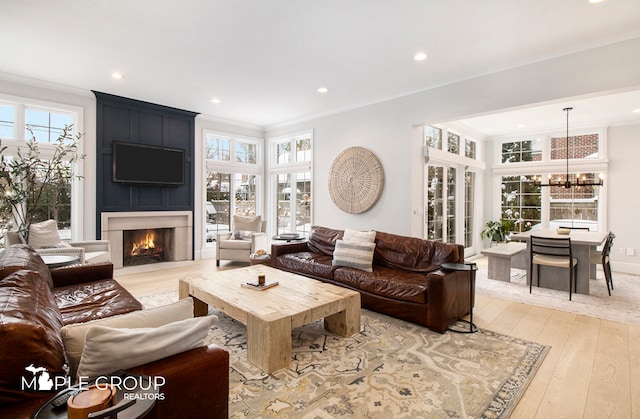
<point>146,246</point>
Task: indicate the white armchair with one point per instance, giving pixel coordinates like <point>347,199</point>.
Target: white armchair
<point>44,238</point>
<point>247,235</point>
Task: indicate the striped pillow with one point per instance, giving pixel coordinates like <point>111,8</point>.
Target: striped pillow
<point>354,255</point>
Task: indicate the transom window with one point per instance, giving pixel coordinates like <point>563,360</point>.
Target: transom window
<point>46,126</point>
<point>433,137</point>
<point>520,151</point>
<point>580,147</point>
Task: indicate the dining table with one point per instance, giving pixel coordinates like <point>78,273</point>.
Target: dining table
<point>583,243</point>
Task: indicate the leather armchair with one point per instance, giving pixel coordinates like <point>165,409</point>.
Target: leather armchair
<point>229,247</point>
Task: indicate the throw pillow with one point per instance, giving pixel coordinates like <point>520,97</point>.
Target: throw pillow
<point>243,223</point>
<point>354,255</point>
<point>108,349</point>
<point>44,234</point>
<point>73,335</point>
<point>242,235</point>
<point>359,236</point>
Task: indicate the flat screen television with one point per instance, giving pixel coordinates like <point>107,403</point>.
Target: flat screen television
<point>147,164</point>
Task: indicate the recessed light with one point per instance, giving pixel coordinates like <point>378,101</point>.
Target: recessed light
<point>421,56</point>
<point>215,100</point>
<point>520,126</point>
<point>322,90</point>
<point>636,110</point>
<point>595,1</point>
<point>117,75</point>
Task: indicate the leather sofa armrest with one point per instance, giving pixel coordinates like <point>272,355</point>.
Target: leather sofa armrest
<point>442,300</point>
<point>79,274</point>
<point>196,383</point>
<point>278,249</point>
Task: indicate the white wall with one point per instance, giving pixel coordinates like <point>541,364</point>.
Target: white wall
<point>623,198</point>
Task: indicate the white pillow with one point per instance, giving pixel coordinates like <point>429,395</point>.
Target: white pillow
<point>107,349</point>
<point>354,255</point>
<point>44,234</point>
<point>241,222</point>
<point>359,236</point>
<point>73,335</point>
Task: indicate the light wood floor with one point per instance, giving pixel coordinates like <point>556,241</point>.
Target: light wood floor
<point>591,371</point>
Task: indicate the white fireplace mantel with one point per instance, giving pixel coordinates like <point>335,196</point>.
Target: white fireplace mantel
<point>114,223</point>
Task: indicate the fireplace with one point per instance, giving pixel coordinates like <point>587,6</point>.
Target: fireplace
<point>140,247</point>
<point>173,231</point>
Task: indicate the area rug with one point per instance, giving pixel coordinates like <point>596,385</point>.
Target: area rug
<point>391,369</point>
<point>622,306</point>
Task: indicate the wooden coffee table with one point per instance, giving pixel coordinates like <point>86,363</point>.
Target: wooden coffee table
<point>271,314</point>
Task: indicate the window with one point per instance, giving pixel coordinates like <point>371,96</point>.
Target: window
<point>451,205</point>
<point>246,152</point>
<point>574,204</point>
<point>527,205</point>
<point>232,185</point>
<point>6,121</point>
<point>45,126</point>
<point>453,143</point>
<point>521,151</point>
<point>435,202</point>
<point>521,202</point>
<point>433,137</point>
<point>218,149</point>
<point>469,193</point>
<point>470,148</point>
<point>580,147</point>
<point>450,185</point>
<point>290,172</point>
<point>24,119</point>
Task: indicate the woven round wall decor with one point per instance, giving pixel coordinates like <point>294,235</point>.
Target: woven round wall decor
<point>356,180</point>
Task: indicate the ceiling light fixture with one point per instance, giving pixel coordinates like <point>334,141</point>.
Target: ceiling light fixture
<point>421,56</point>
<point>322,90</point>
<point>117,75</point>
<point>568,183</point>
<point>636,110</point>
<point>215,100</point>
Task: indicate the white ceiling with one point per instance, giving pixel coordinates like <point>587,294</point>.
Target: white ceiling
<point>264,59</point>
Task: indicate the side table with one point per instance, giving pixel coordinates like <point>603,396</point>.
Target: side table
<point>471,268</point>
<point>288,237</point>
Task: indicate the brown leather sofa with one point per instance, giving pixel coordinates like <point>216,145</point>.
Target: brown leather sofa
<point>36,302</point>
<point>406,281</point>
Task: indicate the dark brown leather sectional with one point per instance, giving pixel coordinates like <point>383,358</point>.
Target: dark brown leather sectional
<point>34,305</point>
<point>406,281</point>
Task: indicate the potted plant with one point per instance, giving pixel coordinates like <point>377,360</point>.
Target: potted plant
<point>35,176</point>
<point>496,231</point>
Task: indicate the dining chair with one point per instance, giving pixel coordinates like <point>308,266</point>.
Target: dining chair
<point>554,252</point>
<point>602,257</point>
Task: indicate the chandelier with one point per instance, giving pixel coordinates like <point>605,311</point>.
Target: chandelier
<point>567,183</point>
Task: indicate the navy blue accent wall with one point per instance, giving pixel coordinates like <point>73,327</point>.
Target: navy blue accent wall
<point>133,121</point>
